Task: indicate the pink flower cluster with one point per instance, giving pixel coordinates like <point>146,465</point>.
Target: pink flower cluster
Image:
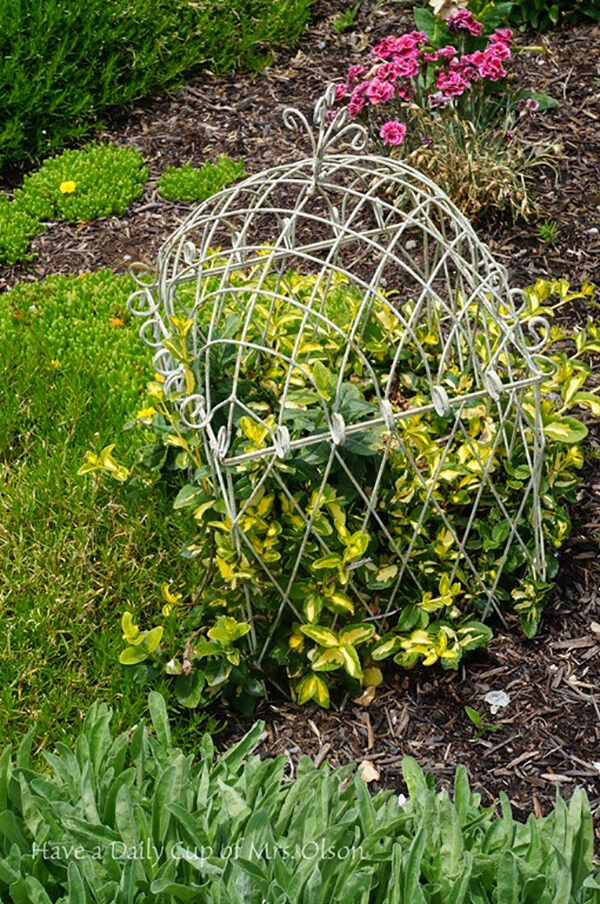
<point>463,71</point>
<point>397,61</point>
<point>393,132</point>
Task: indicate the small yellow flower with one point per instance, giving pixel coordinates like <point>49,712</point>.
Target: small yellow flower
<point>116,321</point>
<point>67,188</point>
<point>146,413</point>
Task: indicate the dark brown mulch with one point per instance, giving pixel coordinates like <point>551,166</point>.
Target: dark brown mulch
<point>548,737</point>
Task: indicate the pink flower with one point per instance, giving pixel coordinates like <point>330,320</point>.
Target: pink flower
<point>355,73</point>
<point>403,46</point>
<point>393,132</point>
<point>407,68</point>
<point>403,92</point>
<point>502,36</point>
<point>447,53</point>
<point>492,68</point>
<point>438,100</point>
<point>529,105</point>
<point>388,72</point>
<point>451,84</point>
<point>379,92</point>
<point>340,92</point>
<point>463,20</point>
<point>358,101</point>
<point>499,50</point>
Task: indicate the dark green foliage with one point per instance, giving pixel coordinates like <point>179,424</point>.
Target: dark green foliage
<point>132,819</point>
<point>192,183</point>
<point>64,64</point>
<point>541,14</point>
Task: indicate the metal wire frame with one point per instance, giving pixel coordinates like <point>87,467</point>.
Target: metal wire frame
<point>378,223</point>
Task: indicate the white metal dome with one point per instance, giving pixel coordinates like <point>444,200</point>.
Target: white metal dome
<point>380,226</point>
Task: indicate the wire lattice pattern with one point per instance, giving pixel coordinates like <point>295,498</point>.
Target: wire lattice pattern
<point>411,261</point>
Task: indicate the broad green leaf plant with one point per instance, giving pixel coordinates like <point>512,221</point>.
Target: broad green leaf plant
<point>130,818</point>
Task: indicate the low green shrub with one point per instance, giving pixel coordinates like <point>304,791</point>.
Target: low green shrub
<point>191,183</point>
<point>17,229</point>
<point>131,818</point>
<point>85,184</point>
<point>348,566</point>
<point>63,65</point>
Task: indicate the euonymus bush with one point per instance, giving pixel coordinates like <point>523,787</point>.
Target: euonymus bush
<point>324,634</point>
<point>131,819</point>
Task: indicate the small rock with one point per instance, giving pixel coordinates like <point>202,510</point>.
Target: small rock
<point>496,700</point>
<point>369,772</point>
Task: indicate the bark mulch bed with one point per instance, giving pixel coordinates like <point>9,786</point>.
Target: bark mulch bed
<point>548,737</point>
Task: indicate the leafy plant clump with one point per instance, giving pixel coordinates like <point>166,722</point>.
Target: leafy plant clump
<point>63,66</point>
<point>132,818</point>
<point>192,183</point>
<point>441,98</point>
<point>347,567</point>
<point>96,181</point>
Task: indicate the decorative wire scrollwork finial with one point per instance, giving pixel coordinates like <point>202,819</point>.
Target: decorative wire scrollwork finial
<point>328,128</point>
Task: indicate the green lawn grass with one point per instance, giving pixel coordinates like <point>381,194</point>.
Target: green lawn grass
<point>73,553</point>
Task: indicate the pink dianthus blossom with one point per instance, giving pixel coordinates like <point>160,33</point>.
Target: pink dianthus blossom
<point>447,53</point>
<point>403,46</point>
<point>388,72</point>
<point>379,92</point>
<point>340,92</point>
<point>463,20</point>
<point>355,73</point>
<point>529,105</point>
<point>407,68</point>
<point>502,36</point>
<point>358,101</point>
<point>393,132</point>
<point>500,50</point>
<point>492,67</point>
<point>444,53</point>
<point>438,100</point>
<point>451,84</point>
